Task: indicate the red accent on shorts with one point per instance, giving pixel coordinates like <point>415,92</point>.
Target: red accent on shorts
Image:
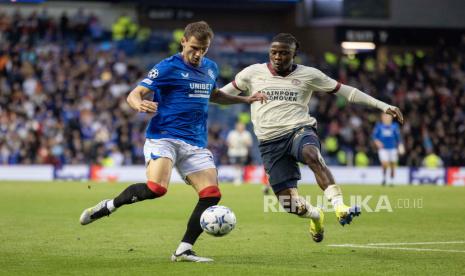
<point>335,88</point>
<point>210,191</point>
<point>158,189</point>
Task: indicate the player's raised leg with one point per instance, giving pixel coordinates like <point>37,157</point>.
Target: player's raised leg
<point>158,175</point>
<point>205,184</point>
<point>293,203</point>
<point>312,157</point>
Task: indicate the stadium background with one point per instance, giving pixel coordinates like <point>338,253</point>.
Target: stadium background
<point>66,68</point>
<point>63,116</point>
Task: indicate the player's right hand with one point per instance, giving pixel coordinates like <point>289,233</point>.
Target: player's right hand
<point>396,113</point>
<point>148,106</point>
<point>258,97</point>
<point>379,144</point>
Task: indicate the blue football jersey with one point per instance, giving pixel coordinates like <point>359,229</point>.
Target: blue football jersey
<point>182,92</point>
<point>389,135</point>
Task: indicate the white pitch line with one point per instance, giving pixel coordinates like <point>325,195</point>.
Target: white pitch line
<point>396,248</point>
<point>417,243</point>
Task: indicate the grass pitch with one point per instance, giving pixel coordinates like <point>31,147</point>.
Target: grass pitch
<point>40,233</point>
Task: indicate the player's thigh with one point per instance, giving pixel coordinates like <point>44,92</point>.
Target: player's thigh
<point>197,167</point>
<point>159,171</point>
<point>282,171</point>
<point>280,166</point>
<point>383,156</point>
<point>160,155</point>
<point>305,142</point>
<point>393,156</point>
<point>202,179</point>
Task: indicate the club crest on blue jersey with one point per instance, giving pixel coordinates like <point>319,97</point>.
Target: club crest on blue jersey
<point>211,74</point>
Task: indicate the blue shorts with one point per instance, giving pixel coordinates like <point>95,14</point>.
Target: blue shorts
<point>281,156</point>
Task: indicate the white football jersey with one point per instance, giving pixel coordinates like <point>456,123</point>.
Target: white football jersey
<point>288,97</point>
<point>239,143</point>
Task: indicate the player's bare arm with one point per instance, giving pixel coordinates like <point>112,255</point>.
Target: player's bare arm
<point>221,97</point>
<point>379,144</point>
<point>137,102</point>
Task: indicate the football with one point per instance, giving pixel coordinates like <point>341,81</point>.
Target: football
<point>218,220</point>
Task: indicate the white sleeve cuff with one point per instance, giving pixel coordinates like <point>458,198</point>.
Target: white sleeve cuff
<point>230,89</point>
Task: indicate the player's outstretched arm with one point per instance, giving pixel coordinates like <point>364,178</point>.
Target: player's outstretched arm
<point>136,100</point>
<point>221,97</point>
<point>354,95</point>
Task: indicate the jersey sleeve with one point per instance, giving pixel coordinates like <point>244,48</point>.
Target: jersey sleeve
<point>242,80</point>
<point>240,84</point>
<point>156,77</point>
<point>376,132</point>
<point>216,73</point>
<point>321,82</point>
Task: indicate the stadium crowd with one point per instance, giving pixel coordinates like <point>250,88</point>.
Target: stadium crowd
<point>428,88</point>
<point>63,100</point>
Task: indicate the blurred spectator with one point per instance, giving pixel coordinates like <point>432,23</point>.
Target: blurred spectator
<point>428,88</point>
<point>239,141</point>
<point>361,158</point>
<point>432,160</point>
<point>62,96</point>
<point>217,145</point>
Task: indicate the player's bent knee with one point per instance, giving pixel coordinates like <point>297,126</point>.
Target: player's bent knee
<point>210,191</point>
<point>156,188</point>
<point>313,157</point>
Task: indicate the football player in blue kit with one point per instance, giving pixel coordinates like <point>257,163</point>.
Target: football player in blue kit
<point>183,85</point>
<point>388,141</point>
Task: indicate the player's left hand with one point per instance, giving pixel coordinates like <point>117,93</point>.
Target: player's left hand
<point>396,113</point>
<point>258,97</point>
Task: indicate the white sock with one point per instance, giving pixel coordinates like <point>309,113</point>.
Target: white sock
<point>334,194</point>
<point>312,212</point>
<point>183,246</point>
<point>111,206</point>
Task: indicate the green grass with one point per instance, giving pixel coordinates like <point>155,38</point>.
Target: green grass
<point>40,234</point>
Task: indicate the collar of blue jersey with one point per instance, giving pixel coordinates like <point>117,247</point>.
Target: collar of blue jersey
<point>179,55</point>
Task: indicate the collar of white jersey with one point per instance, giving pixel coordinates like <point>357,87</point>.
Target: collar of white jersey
<point>274,73</point>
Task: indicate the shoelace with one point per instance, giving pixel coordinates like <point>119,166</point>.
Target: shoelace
<point>188,252</point>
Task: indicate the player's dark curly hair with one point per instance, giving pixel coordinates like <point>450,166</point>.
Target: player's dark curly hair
<point>200,30</point>
<point>286,38</point>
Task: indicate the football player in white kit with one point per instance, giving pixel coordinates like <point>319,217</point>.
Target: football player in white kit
<point>286,131</point>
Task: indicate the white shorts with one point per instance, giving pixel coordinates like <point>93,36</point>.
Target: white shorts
<point>387,155</point>
<point>186,158</point>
